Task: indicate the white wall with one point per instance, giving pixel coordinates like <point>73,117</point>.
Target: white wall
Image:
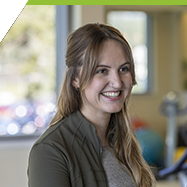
<point>14,162</point>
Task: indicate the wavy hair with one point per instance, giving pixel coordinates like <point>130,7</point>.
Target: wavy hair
<point>83,50</point>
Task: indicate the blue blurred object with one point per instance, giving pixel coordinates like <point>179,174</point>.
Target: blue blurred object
<point>152,146</point>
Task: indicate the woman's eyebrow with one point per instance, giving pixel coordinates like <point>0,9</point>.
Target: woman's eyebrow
<point>102,65</point>
<point>126,63</point>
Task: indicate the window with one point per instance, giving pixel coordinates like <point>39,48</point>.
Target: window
<point>134,26</point>
<point>27,73</point>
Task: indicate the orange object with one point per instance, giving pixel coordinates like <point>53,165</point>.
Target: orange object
<point>138,123</point>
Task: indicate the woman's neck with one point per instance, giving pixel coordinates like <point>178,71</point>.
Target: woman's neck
<point>100,121</point>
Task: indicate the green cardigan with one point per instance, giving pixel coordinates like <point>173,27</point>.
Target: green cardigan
<point>68,154</point>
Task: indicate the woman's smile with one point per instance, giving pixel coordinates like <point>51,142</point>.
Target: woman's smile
<point>111,94</point>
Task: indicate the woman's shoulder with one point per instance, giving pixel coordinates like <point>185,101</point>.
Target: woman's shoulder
<point>64,130</point>
<point>52,134</point>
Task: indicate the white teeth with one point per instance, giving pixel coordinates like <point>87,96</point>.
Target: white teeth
<point>111,94</point>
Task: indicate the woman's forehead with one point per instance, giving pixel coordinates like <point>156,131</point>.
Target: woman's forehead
<point>112,50</point>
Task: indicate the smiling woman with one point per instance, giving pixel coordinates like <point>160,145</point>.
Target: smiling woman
<point>90,141</point>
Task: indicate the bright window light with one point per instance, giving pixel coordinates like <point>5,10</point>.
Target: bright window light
<point>27,73</point>
<point>133,25</point>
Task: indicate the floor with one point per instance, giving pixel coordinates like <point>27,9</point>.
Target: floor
<point>168,184</point>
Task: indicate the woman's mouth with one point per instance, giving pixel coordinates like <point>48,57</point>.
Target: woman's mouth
<point>111,94</point>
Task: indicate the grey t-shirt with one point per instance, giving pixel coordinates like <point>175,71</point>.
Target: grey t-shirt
<point>117,177</point>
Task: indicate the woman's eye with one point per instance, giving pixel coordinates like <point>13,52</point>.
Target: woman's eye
<point>126,68</point>
<point>102,71</point>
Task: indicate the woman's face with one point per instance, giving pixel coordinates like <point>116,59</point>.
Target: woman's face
<point>111,83</point>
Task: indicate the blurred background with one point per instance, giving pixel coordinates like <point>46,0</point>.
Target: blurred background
<point>32,69</point>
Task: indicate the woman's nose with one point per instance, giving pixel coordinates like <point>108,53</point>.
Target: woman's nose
<point>116,81</point>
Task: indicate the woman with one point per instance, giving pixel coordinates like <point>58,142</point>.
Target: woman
<point>90,141</point>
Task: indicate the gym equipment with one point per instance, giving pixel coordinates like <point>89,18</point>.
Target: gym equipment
<point>179,168</point>
<point>170,108</point>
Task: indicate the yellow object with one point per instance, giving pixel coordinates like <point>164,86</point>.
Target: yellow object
<point>178,153</point>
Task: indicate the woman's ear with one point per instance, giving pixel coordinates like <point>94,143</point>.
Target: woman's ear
<point>75,83</point>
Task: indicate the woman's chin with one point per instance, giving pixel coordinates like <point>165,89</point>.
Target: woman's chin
<point>116,110</point>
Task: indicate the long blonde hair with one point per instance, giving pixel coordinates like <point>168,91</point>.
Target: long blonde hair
<point>83,49</point>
